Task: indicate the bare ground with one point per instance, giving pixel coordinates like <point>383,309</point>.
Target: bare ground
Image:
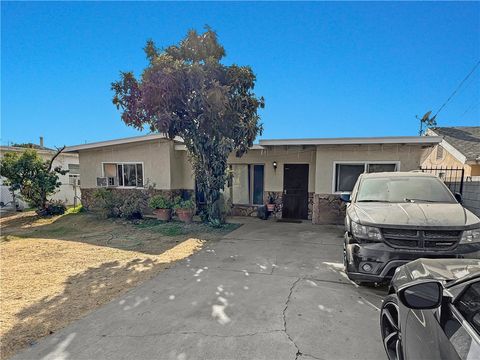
<point>56,270</point>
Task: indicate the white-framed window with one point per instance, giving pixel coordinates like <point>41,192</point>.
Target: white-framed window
<point>123,174</point>
<point>246,184</point>
<point>346,173</point>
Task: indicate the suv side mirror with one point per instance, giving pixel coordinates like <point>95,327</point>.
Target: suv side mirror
<point>458,196</point>
<point>345,197</point>
<point>422,296</point>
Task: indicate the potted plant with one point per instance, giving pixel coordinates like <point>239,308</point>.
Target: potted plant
<point>272,201</point>
<point>162,207</point>
<point>184,209</point>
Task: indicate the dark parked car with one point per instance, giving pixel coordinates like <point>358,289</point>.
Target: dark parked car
<point>433,311</point>
<point>393,218</point>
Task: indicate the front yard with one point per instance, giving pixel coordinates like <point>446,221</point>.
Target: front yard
<point>56,270</point>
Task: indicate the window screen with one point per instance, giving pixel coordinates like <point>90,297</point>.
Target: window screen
<point>347,175</point>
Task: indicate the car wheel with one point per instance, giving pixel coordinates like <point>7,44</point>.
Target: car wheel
<point>390,328</point>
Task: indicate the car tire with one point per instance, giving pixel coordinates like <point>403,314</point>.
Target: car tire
<point>390,328</point>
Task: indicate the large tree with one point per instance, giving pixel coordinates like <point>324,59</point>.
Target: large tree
<point>186,91</point>
<point>35,178</point>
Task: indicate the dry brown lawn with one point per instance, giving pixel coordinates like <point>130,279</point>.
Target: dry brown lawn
<point>56,270</point>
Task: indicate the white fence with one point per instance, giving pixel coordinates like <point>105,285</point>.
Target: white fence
<point>64,193</point>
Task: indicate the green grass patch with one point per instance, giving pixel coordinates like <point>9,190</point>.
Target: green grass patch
<point>74,210</point>
<point>176,228</point>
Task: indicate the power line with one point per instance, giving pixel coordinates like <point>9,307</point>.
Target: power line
<point>458,87</point>
<point>471,107</point>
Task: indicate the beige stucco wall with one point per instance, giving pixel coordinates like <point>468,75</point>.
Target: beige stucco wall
<point>447,160</point>
<point>169,168</point>
<point>273,179</point>
<point>155,156</point>
<point>181,171</point>
<point>409,156</point>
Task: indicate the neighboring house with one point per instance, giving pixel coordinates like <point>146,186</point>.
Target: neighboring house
<point>306,175</point>
<point>67,161</point>
<point>459,148</point>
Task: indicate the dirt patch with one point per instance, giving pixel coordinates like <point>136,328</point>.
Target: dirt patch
<point>56,270</point>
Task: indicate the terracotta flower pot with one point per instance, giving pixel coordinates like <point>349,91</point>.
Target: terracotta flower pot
<point>185,215</point>
<point>163,214</point>
<point>270,207</point>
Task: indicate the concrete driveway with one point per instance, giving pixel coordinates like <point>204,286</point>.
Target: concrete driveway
<point>266,291</point>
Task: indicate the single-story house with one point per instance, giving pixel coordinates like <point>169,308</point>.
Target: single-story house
<point>305,175</point>
<point>70,182</point>
<point>459,148</point>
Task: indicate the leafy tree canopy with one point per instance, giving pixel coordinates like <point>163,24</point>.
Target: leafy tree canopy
<point>30,174</point>
<point>186,91</point>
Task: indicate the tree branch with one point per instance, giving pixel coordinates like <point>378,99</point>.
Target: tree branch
<point>54,157</point>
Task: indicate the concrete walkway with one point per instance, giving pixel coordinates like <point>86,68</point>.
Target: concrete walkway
<point>266,291</point>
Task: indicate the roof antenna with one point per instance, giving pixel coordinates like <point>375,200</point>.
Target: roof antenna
<point>427,121</point>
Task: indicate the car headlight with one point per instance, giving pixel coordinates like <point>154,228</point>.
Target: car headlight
<point>470,236</point>
<point>366,232</point>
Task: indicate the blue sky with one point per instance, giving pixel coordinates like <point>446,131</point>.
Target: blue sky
<point>325,69</point>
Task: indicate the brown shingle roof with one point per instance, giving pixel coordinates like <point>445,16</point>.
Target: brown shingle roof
<point>465,139</point>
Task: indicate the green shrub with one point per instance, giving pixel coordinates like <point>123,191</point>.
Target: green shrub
<point>160,202</point>
<point>124,204</point>
<point>179,203</point>
<point>108,202</point>
<point>133,205</point>
<point>53,207</point>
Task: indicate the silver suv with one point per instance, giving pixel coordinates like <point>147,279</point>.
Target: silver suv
<point>396,217</point>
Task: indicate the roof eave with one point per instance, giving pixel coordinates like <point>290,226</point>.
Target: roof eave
<point>182,147</point>
<point>129,140</point>
<point>421,140</point>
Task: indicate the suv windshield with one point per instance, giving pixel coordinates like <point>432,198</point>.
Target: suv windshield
<point>403,189</point>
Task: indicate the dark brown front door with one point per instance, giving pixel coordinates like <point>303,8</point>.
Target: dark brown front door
<point>295,191</point>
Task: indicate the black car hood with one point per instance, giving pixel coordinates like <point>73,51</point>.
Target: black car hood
<point>414,215</point>
<point>438,269</point>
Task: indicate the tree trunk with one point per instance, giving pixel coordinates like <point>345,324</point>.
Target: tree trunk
<point>208,181</point>
<point>209,162</point>
<point>43,200</point>
<point>14,198</point>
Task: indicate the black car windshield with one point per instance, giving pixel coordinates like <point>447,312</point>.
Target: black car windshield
<point>397,189</point>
